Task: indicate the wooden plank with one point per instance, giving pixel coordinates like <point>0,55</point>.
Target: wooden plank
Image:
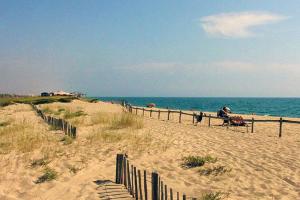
<point>171,194</point>
<point>119,162</point>
<point>154,186</point>
<point>125,172</point>
<point>145,185</point>
<point>209,116</point>
<point>183,197</point>
<point>291,121</point>
<point>140,184</point>
<point>159,187</point>
<point>132,181</point>
<point>177,195</point>
<point>166,192</point>
<point>128,178</point>
<point>162,190</point>
<point>74,132</point>
<point>184,113</point>
<point>136,185</point>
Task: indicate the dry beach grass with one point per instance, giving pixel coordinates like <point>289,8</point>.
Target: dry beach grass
<point>231,164</point>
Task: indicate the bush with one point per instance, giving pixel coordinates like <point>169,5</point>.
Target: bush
<point>212,196</point>
<point>214,171</point>
<point>3,124</point>
<point>197,161</point>
<point>49,175</point>
<point>67,140</point>
<point>69,115</point>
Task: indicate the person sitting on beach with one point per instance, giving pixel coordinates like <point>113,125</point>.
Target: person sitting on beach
<point>223,113</point>
<point>237,121</point>
<point>199,118</point>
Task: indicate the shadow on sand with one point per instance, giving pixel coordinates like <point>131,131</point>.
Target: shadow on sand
<point>108,190</point>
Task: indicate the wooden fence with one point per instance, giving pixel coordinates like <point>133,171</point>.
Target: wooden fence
<point>142,185</point>
<point>59,124</point>
<point>251,122</point>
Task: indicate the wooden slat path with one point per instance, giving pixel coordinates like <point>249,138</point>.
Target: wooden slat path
<point>141,187</point>
<point>112,191</point>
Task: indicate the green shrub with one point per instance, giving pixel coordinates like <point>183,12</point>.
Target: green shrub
<point>212,196</point>
<point>66,100</point>
<point>66,140</point>
<point>197,161</point>
<point>3,124</point>
<point>218,170</point>
<point>49,175</point>
<point>5,101</point>
<point>61,110</point>
<point>69,115</point>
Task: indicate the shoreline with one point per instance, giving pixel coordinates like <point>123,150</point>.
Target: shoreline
<point>281,107</point>
<point>233,114</point>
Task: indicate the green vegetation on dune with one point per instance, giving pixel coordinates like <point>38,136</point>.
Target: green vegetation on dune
<point>5,101</point>
<point>197,161</point>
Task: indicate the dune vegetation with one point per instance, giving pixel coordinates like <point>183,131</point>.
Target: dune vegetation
<point>5,101</point>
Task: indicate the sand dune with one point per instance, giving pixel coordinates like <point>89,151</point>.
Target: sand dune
<point>260,165</point>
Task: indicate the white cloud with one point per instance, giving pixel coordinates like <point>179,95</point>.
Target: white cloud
<point>237,24</point>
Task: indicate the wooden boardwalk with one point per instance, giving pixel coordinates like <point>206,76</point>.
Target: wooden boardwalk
<point>112,191</point>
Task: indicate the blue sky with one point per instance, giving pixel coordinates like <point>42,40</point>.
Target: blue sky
<point>151,48</point>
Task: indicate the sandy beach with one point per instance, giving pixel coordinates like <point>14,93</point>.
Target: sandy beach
<point>258,165</point>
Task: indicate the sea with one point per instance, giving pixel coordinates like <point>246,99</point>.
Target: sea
<point>284,107</point>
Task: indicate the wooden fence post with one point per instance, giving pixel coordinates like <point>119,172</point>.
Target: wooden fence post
<point>193,118</point>
<point>168,114</point>
<point>119,164</point>
<point>60,124</point>
<point>280,126</point>
<point>136,110</point>
<point>161,190</point>
<point>151,113</point>
<point>252,125</point>
<point>154,186</point>
<point>183,197</point>
<point>171,194</point>
<point>140,184</point>
<point>180,116</point>
<point>209,119</point>
<point>158,114</point>
<point>136,185</point>
<point>128,178</point>
<point>166,192</point>
<point>132,181</point>
<point>145,185</point>
<point>125,171</point>
<point>143,111</point>
<point>74,132</point>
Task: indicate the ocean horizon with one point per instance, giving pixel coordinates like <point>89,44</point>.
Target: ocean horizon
<point>270,106</point>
